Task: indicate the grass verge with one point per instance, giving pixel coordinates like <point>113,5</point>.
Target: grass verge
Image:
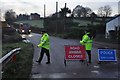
<point>21,68</point>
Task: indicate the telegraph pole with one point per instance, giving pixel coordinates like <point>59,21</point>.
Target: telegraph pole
<point>65,18</point>
<point>0,16</point>
<point>56,7</point>
<point>44,10</point>
<point>56,16</point>
<point>119,7</point>
<point>44,16</point>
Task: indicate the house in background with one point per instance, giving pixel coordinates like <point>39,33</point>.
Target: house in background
<point>34,16</point>
<point>113,27</point>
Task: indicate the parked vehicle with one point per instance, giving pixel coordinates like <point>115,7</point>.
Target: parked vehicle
<point>24,28</point>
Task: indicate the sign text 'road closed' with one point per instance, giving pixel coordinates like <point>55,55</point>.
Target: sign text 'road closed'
<point>75,53</point>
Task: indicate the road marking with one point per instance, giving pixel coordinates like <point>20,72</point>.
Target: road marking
<point>55,75</point>
<point>96,66</point>
<point>97,72</point>
<point>74,73</point>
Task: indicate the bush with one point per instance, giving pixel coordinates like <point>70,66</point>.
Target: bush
<point>113,34</point>
<point>8,31</point>
<point>36,29</point>
<point>9,34</point>
<point>21,68</point>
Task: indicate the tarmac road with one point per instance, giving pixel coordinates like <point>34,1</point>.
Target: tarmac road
<point>73,69</point>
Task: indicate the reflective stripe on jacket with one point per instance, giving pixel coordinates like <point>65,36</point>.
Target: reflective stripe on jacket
<point>44,42</point>
<point>87,42</point>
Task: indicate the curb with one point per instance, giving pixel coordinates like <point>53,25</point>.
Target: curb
<point>105,45</point>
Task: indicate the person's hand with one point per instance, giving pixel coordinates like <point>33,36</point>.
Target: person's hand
<point>37,46</point>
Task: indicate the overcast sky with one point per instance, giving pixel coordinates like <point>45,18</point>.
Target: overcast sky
<point>37,6</point>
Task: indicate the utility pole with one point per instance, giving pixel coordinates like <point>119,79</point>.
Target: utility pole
<point>56,17</point>
<point>65,18</point>
<point>0,16</point>
<point>119,7</point>
<point>44,16</point>
<point>44,10</point>
<point>56,7</point>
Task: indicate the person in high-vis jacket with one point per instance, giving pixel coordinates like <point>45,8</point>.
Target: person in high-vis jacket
<point>45,46</point>
<point>87,42</point>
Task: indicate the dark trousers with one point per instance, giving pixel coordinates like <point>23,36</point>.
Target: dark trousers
<point>43,50</point>
<point>89,55</point>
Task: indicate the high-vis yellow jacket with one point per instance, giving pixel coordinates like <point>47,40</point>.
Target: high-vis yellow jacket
<point>44,42</point>
<point>87,42</point>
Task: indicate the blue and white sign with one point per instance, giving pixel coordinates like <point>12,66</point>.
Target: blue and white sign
<point>107,55</point>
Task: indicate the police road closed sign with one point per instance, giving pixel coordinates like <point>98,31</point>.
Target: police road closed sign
<point>75,53</point>
<point>107,55</point>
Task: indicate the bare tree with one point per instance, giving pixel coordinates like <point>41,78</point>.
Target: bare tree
<point>10,16</point>
<point>80,11</point>
<point>88,11</point>
<point>77,11</point>
<point>100,12</point>
<point>105,11</point>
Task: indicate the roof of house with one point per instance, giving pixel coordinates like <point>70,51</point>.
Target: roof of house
<point>114,17</point>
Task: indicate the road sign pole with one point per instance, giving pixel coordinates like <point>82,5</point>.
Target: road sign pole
<point>65,62</point>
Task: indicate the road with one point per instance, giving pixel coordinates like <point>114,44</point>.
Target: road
<point>74,69</point>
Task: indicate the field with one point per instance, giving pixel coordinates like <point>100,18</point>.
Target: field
<point>39,23</point>
<point>85,22</point>
<point>36,23</point>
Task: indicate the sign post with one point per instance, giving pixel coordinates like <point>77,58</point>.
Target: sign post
<point>74,53</point>
<point>107,55</point>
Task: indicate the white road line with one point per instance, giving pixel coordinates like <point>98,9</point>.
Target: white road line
<point>96,72</point>
<point>96,66</point>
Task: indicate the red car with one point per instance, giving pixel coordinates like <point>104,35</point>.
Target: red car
<point>24,28</point>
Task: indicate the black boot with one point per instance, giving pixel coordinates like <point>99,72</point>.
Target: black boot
<point>38,61</point>
<point>48,62</point>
